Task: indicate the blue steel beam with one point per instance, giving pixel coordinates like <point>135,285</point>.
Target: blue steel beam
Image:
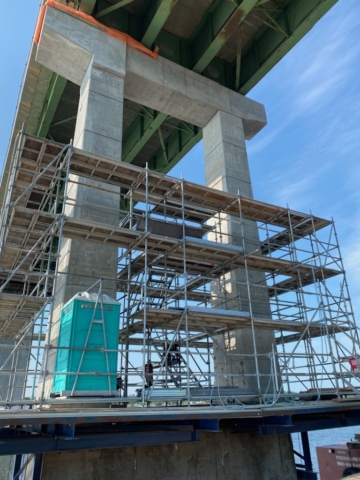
<point>305,475</point>
<point>38,462</point>
<point>207,425</point>
<point>39,444</point>
<point>306,451</point>
<point>255,416</point>
<point>138,430</point>
<point>309,425</point>
<point>17,466</point>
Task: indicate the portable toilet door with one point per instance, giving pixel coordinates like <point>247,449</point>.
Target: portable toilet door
<point>89,327</point>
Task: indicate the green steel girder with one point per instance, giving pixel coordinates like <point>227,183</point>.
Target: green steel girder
<point>224,18</point>
<point>270,46</point>
<point>180,142</point>
<point>65,120</point>
<point>111,9</point>
<point>220,24</point>
<point>295,18</point>
<point>155,17</point>
<point>55,91</point>
<point>139,133</point>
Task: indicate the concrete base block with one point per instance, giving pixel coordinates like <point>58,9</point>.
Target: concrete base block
<point>218,456</point>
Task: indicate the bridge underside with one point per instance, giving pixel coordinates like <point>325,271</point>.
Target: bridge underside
<point>234,43</point>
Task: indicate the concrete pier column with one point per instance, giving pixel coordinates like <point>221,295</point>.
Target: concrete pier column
<point>98,130</point>
<point>227,169</point>
<point>100,115</point>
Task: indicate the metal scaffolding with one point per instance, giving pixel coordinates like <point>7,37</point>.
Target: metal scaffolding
<point>186,286</point>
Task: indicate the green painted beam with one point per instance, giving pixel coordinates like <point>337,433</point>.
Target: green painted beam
<point>111,9</point>
<point>155,18</point>
<point>61,122</point>
<point>269,47</point>
<point>302,16</point>
<point>87,6</point>
<point>180,142</point>
<point>220,25</point>
<point>139,133</point>
<point>296,18</point>
<point>56,89</point>
<point>143,128</point>
<point>160,11</point>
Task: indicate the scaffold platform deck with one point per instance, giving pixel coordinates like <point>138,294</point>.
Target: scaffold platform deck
<point>175,265</point>
<point>211,321</point>
<point>15,312</point>
<point>36,154</point>
<point>26,227</point>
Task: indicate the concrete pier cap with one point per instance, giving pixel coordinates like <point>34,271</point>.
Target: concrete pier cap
<point>68,46</point>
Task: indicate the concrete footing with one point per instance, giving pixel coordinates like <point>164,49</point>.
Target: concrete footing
<point>219,456</point>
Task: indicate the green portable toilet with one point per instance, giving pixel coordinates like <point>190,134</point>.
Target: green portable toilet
<point>84,319</point>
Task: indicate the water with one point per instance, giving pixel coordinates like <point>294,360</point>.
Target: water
<point>324,437</point>
<point>321,437</point>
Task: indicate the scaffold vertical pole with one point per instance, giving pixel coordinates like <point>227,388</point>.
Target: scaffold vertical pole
<point>145,282</point>
<point>185,292</point>
<point>52,304</point>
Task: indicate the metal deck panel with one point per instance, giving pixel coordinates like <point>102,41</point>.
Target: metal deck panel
<point>212,321</point>
<point>53,415</point>
<point>37,153</point>
<point>16,311</point>
<point>30,224</point>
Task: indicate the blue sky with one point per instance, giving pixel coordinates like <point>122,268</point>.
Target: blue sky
<point>306,157</point>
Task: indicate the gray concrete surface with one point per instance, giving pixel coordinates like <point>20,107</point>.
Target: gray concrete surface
<point>227,168</point>
<point>68,45</point>
<point>219,456</point>
<point>83,54</point>
<point>98,130</point>
<point>98,62</point>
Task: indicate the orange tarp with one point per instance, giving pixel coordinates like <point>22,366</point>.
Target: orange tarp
<point>132,43</point>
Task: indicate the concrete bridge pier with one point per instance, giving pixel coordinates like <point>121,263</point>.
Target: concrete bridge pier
<point>108,71</point>
<point>227,169</point>
<point>100,74</point>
